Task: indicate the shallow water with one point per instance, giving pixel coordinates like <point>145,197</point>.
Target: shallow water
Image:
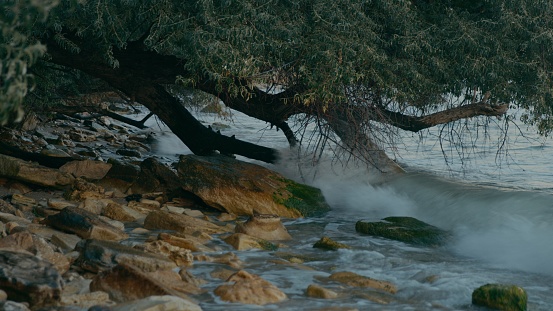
<point>501,215</point>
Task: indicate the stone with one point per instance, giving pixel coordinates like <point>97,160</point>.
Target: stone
<point>226,217</point>
<point>128,153</point>
<point>10,218</point>
<point>189,242</point>
<point>7,208</point>
<point>229,259</point>
<point>66,242</point>
<point>180,223</point>
<point>249,289</point>
<point>500,297</point>
<point>58,204</point>
<point>97,255</point>
<point>84,224</point>
<point>317,291</point>
<point>127,283</point>
<point>155,176</point>
<point>145,204</point>
<point>404,229</point>
<point>23,201</point>
<point>158,303</point>
<point>327,243</point>
<point>242,242</point>
<point>82,135</point>
<point>13,306</point>
<point>241,188</point>
<point>87,300</point>
<point>121,213</point>
<point>33,173</point>
<point>180,256</point>
<point>89,169</point>
<point>26,278</point>
<point>356,280</point>
<point>3,295</point>
<point>94,205</point>
<point>263,226</point>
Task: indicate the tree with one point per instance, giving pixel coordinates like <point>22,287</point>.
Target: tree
<point>355,68</point>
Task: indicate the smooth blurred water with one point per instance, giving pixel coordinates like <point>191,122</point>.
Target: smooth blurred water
<point>500,210</point>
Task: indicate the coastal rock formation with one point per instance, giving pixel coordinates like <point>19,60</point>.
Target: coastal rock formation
<point>243,188</point>
<point>404,229</point>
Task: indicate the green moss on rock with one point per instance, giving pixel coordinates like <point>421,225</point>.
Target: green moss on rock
<point>268,246</point>
<point>327,243</point>
<point>404,229</point>
<point>501,297</point>
<point>307,200</point>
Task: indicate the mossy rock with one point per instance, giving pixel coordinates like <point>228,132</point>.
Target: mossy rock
<point>501,297</point>
<point>243,188</point>
<point>405,229</point>
<point>329,244</point>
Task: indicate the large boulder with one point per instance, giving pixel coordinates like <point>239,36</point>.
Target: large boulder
<point>500,297</point>
<point>404,229</point>
<point>267,227</point>
<point>241,188</point>
<point>27,278</point>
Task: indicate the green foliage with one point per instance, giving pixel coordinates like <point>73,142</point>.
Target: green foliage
<point>18,52</point>
<point>400,53</point>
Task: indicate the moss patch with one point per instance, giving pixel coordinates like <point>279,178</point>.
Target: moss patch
<point>307,200</point>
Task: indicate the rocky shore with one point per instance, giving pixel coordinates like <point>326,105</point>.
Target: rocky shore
<point>91,219</point>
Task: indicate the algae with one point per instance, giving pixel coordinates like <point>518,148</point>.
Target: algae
<point>307,200</point>
<point>502,297</point>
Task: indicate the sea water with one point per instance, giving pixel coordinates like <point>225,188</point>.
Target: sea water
<point>499,207</point>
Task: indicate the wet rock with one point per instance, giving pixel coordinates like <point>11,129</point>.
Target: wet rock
<point>356,280</point>
<point>180,223</point>
<point>22,201</point>
<point>158,303</point>
<point>180,256</point>
<point>263,226</point>
<point>25,278</point>
<point>88,169</point>
<point>13,306</point>
<point>97,255</point>
<point>241,188</point>
<point>59,204</point>
<point>84,224</point>
<point>226,217</point>
<point>126,283</point>
<point>327,243</point>
<point>500,297</point>
<point>144,205</point>
<point>404,229</point>
<point>122,170</point>
<point>82,135</point>
<point>249,289</point>
<point>33,173</point>
<point>129,153</point>
<point>241,242</point>
<point>317,291</point>
<point>229,259</point>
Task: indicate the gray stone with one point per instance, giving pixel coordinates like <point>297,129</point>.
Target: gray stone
<point>25,278</point>
<point>88,169</point>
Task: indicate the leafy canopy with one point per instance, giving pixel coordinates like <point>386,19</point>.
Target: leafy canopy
<point>411,52</point>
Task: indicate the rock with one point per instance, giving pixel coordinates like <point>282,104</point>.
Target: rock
<point>241,188</point>
<point>87,300</point>
<point>94,205</point>
<point>317,291</point>
<point>356,280</point>
<point>241,242</point>
<point>180,256</point>
<point>126,283</point>
<point>145,205</point>
<point>122,170</point>
<point>155,176</point>
<point>180,223</point>
<point>25,278</point>
<point>22,201</point>
<point>83,189</point>
<point>129,153</point>
<point>226,217</point>
<point>84,224</point>
<point>82,135</point>
<point>59,204</point>
<point>327,243</point>
<point>404,229</point>
<point>267,227</point>
<point>191,243</point>
<point>158,303</point>
<point>7,218</point>
<point>97,255</point>
<point>121,213</point>
<point>33,173</point>
<point>229,259</point>
<point>88,169</point>
<point>13,306</point>
<point>66,242</point>
<point>7,208</point>
<point>249,289</point>
<point>500,297</point>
